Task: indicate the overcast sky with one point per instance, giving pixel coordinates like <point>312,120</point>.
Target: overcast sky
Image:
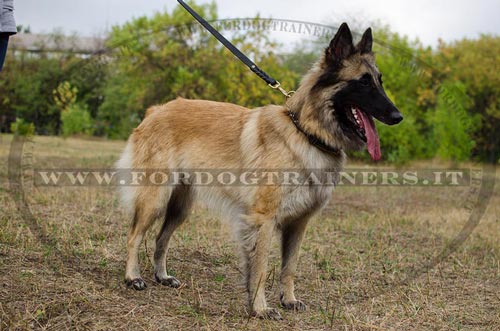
<point>426,19</point>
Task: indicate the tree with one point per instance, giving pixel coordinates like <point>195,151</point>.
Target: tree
<point>452,126</point>
<point>75,117</point>
<point>28,79</point>
<point>475,64</point>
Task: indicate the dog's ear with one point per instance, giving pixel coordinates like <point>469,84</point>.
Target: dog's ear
<point>365,44</point>
<point>341,45</point>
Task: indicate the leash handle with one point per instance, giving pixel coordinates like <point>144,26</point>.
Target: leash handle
<point>242,57</point>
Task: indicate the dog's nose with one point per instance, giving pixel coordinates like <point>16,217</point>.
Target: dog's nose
<point>396,117</point>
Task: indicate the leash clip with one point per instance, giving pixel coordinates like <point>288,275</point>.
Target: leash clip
<point>277,86</point>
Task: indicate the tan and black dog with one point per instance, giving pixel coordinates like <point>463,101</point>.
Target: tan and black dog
<point>331,112</point>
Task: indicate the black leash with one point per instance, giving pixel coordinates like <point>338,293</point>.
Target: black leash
<point>243,58</point>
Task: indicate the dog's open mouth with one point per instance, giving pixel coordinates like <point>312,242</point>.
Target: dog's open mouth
<point>365,128</point>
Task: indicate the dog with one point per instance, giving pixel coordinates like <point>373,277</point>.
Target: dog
<point>331,112</point>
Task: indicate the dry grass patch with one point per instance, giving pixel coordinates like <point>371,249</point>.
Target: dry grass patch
<point>359,268</point>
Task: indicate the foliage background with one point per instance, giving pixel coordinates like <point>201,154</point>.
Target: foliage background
<point>448,95</point>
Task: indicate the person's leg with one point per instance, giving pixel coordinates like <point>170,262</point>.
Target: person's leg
<point>4,41</point>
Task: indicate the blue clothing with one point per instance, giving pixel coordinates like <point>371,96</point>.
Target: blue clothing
<point>4,40</point>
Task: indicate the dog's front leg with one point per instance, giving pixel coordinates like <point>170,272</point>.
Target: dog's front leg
<point>291,239</point>
<point>255,236</point>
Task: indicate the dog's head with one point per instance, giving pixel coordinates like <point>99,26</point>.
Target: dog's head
<point>346,93</point>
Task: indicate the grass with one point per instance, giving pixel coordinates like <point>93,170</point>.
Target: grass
<point>357,268</point>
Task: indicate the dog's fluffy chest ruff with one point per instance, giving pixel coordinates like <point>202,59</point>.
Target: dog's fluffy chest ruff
<point>303,201</point>
<point>285,149</point>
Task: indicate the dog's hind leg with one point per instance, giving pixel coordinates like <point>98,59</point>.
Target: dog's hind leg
<point>177,211</point>
<point>292,234</point>
<point>146,212</point>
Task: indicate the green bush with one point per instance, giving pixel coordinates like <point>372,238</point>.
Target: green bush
<point>76,120</point>
<point>452,126</point>
<point>22,128</point>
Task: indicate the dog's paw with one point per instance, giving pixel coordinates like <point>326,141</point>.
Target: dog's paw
<point>296,305</point>
<point>268,314</point>
<point>137,284</point>
<point>168,281</point>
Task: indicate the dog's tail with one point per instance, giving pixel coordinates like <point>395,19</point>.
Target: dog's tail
<point>124,167</point>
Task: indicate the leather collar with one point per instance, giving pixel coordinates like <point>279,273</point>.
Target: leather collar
<point>313,140</point>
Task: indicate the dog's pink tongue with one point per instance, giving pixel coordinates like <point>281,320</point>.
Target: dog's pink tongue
<point>373,143</point>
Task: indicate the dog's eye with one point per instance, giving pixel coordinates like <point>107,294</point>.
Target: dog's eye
<point>366,79</point>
